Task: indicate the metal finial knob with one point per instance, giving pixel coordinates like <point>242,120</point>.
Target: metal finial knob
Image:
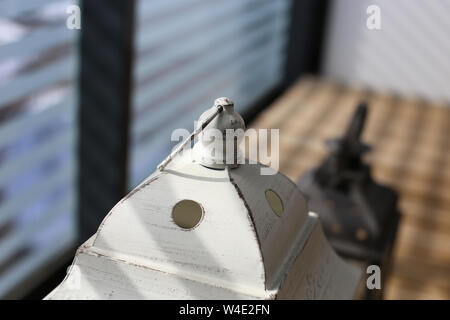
<point>218,144</point>
<point>225,102</point>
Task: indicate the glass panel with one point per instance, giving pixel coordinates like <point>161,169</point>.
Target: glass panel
<point>38,63</point>
<point>190,52</point>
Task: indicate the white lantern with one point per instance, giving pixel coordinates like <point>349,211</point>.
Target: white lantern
<point>210,231</point>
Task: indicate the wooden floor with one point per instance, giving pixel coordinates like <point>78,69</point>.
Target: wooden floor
<point>411,140</point>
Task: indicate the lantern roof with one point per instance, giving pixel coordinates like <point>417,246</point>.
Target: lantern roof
<point>190,231</point>
<point>237,243</point>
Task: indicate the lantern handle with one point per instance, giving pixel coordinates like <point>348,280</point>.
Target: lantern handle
<point>219,108</point>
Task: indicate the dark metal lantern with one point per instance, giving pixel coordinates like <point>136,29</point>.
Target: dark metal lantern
<point>360,216</point>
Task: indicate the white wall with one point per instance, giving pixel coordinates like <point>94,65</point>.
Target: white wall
<point>409,55</point>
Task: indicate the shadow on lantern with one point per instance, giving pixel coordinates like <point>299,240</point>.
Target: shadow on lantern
<point>184,262</point>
